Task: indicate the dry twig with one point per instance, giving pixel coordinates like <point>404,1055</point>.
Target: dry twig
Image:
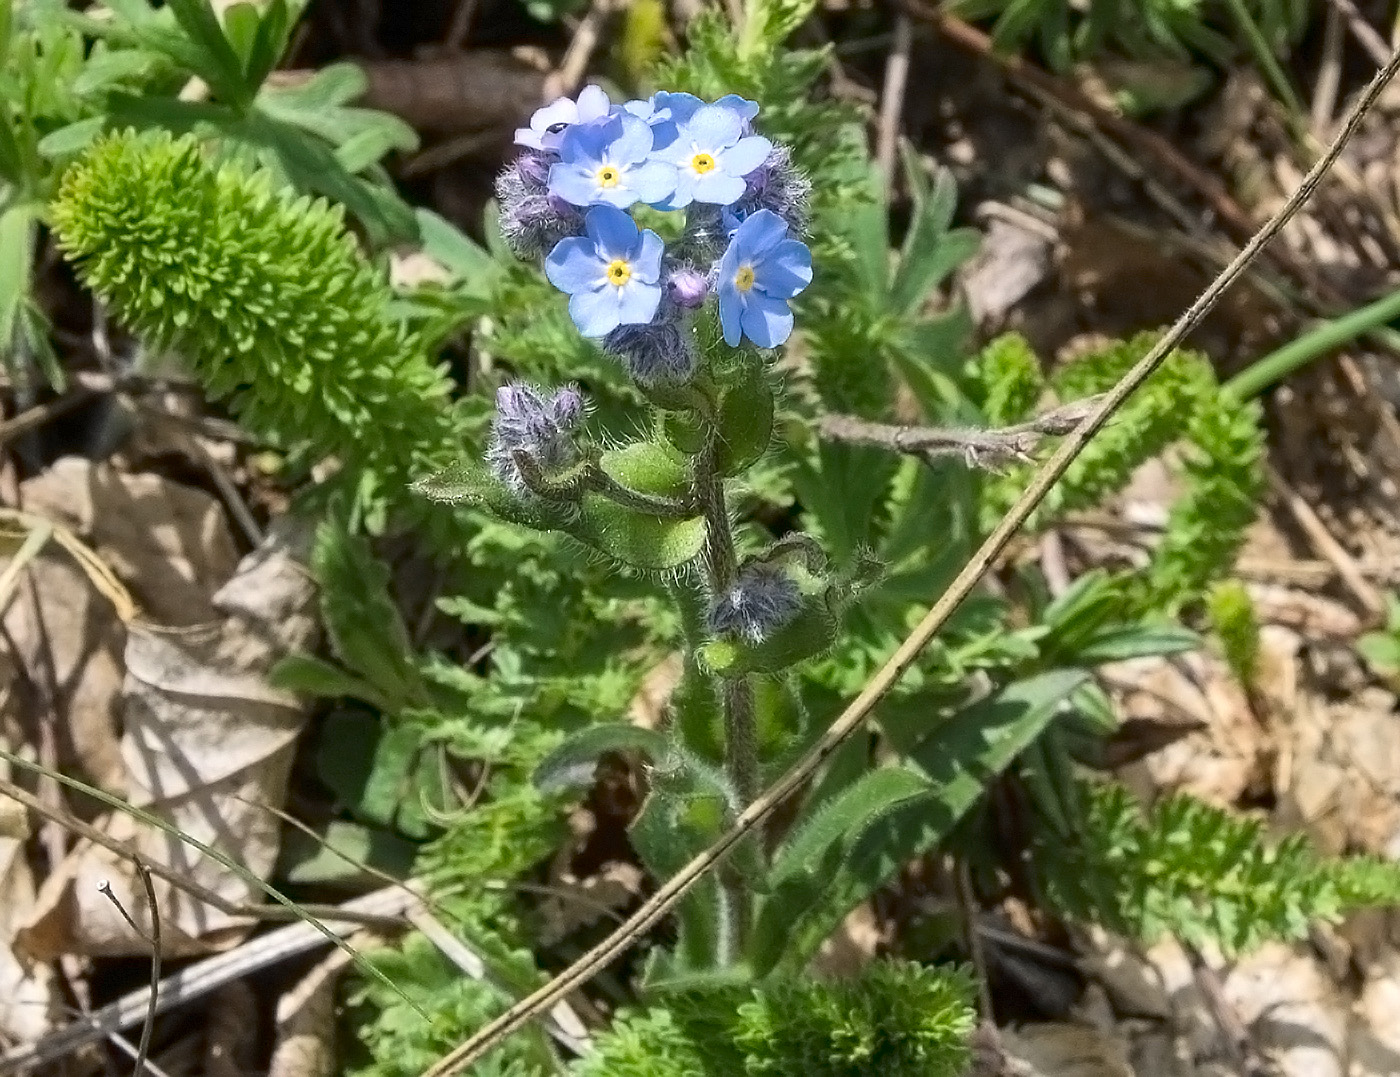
<point>853,717</point>
<point>990,449</point>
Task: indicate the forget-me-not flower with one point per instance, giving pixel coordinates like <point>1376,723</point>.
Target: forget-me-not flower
<point>612,276</point>
<point>666,111</point>
<point>712,156</point>
<point>610,164</point>
<point>548,124</point>
<point>758,274</point>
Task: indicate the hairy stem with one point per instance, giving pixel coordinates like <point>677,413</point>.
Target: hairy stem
<point>740,728</point>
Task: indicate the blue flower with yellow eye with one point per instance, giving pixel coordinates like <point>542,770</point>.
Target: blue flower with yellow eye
<point>610,163</point>
<point>760,272</point>
<point>612,275</point>
<point>712,155</point>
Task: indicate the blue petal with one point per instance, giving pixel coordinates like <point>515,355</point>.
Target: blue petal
<point>637,302</point>
<point>745,155</point>
<point>684,192</point>
<point>746,110</point>
<point>766,321</point>
<point>731,309</point>
<point>760,233</point>
<point>646,260</point>
<point>525,136</point>
<point>718,188</point>
<point>785,270</point>
<point>573,265</point>
<point>633,141</point>
<point>681,106</point>
<point>711,128</point>
<point>643,110</point>
<point>584,143</point>
<point>652,181</point>
<point>619,197</point>
<point>595,313</point>
<point>561,110</point>
<point>573,183</point>
<point>612,231</point>
<point>593,104</point>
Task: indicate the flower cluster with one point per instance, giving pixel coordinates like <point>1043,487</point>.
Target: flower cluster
<point>587,162</point>
<point>762,599</point>
<point>538,425</point>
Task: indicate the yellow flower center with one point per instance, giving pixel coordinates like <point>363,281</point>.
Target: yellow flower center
<point>619,272</point>
<point>702,163</point>
<point>743,280</point>
<point>609,176</point>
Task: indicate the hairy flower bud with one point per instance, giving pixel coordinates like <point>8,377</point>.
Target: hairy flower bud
<point>661,353</point>
<point>541,426</point>
<point>762,600</point>
<point>687,288</point>
<point>532,219</point>
<point>778,186</point>
<point>534,169</point>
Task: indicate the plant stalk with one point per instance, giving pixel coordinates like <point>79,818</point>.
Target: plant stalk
<point>1328,336</point>
<point>736,695</point>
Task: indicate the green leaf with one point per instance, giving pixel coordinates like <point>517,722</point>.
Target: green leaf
<point>219,65</point>
<point>873,794</point>
<point>344,855</point>
<point>648,467</point>
<point>362,620</point>
<point>1119,642</point>
<point>316,677</point>
<point>931,252</point>
<point>16,266</point>
<point>565,766</point>
<point>959,759</point>
<point>634,538</point>
<point>268,44</point>
<point>745,422</point>
<point>470,263</point>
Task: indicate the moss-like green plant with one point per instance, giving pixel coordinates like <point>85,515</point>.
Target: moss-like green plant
<point>896,1019</point>
<point>1231,613</point>
<point>269,299</point>
<point>1200,873</point>
<point>1010,378</point>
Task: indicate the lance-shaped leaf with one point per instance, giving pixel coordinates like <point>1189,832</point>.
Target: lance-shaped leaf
<point>572,763</point>
<point>959,759</point>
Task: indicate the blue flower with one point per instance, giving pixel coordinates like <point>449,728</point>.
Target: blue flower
<point>613,276</point>
<point>759,273</point>
<point>548,124</point>
<point>666,112</point>
<point>609,163</point>
<point>712,156</point>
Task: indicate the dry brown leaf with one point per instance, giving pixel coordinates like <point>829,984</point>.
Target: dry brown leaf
<point>1295,1014</point>
<point>207,745</point>
<point>29,1003</point>
<point>167,543</point>
<point>576,903</point>
<point>306,1021</point>
<point>1056,1049</point>
<point>1221,761</point>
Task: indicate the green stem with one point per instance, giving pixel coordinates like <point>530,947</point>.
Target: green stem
<point>740,724</point>
<point>1264,56</point>
<point>1327,337</point>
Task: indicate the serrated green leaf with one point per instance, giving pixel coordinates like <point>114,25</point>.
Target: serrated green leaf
<point>313,676</point>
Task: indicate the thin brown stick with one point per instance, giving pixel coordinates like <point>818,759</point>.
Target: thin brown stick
<point>670,893</point>
<point>1322,540</point>
<point>892,98</point>
<point>980,448</point>
<point>144,1047</point>
<point>1367,36</point>
<point>180,881</point>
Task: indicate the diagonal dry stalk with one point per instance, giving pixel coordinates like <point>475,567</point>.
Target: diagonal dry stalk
<point>666,897</point>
